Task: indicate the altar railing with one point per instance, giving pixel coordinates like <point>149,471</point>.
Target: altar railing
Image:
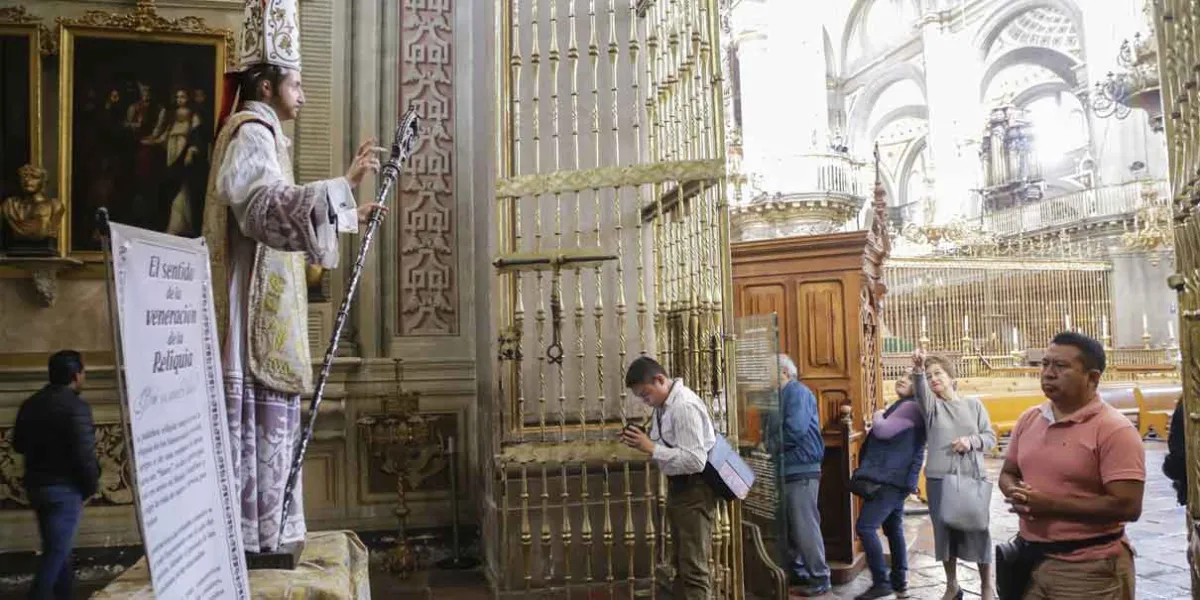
<point>1122,199</point>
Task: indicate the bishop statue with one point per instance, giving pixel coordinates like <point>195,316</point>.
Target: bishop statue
<point>263,232</point>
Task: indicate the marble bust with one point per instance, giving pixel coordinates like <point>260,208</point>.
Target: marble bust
<point>32,217</point>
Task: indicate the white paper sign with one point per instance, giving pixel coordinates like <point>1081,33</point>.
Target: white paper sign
<point>170,349</point>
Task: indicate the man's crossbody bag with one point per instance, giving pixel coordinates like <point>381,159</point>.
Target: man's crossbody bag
<point>724,471</point>
<point>1017,559</point>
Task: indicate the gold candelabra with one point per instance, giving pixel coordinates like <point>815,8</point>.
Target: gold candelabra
<point>395,436</point>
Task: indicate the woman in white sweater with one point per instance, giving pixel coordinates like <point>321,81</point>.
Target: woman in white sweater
<point>958,430</point>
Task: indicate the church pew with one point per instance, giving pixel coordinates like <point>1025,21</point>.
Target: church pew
<point>1125,398</point>
<point>1004,409</point>
<point>1155,408</point>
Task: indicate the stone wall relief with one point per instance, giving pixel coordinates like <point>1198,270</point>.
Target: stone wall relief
<point>427,268</point>
<point>115,470</point>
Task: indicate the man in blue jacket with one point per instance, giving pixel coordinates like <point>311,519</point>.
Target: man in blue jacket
<point>795,441</point>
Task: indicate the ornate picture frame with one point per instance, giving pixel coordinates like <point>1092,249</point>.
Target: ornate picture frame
<point>20,32</point>
<point>138,99</point>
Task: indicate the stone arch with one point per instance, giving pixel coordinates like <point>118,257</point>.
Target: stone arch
<point>831,60</point>
<point>1062,65</point>
<point>1036,91</point>
<point>853,19</point>
<point>991,27</point>
<point>860,113</point>
<point>914,111</point>
<point>906,164</point>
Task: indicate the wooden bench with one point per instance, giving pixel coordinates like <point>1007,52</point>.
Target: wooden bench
<point>1005,409</point>
<point>1125,398</point>
<point>1155,408</point>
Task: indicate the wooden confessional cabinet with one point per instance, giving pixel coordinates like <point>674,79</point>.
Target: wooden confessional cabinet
<point>825,291</point>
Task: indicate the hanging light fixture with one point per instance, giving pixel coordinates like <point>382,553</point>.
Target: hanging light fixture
<point>1152,225</point>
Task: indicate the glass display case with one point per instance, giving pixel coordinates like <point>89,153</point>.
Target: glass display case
<point>758,381</point>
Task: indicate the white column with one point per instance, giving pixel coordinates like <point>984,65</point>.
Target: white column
<point>952,72</point>
<point>785,106</point>
<point>754,76</point>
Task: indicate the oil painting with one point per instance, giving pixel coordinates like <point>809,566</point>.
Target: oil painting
<point>30,223</point>
<point>138,129</point>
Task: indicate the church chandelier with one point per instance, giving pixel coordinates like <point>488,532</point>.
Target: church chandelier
<point>1152,226</point>
<point>1136,85</point>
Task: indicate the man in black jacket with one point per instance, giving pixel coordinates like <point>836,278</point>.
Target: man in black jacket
<point>55,433</point>
<point>1175,464</point>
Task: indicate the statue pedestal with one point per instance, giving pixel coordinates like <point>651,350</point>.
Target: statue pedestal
<point>43,272</point>
<point>286,557</point>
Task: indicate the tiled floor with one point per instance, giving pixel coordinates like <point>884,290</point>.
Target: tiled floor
<point>1159,538</point>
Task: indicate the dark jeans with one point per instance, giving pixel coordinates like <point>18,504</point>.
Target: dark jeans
<point>886,509</point>
<point>58,508</point>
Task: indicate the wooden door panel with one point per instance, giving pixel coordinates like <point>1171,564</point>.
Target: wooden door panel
<point>764,299</point>
<point>821,314</point>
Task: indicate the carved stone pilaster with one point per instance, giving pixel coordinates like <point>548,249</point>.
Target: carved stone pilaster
<point>427,272</point>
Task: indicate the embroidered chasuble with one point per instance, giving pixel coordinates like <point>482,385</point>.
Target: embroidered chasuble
<point>262,230</point>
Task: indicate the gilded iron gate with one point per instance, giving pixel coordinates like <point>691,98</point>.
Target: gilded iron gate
<point>611,242</point>
<point>1176,26</point>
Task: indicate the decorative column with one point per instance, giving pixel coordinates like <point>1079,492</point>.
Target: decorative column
<point>951,72</point>
<point>754,91</point>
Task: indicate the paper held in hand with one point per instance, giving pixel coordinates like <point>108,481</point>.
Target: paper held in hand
<point>169,348</point>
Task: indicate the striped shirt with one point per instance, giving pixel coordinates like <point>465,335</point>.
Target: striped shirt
<point>682,433</point>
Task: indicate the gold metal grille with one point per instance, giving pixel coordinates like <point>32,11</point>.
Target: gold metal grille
<point>611,242</point>
<point>993,307</point>
<point>1176,24</point>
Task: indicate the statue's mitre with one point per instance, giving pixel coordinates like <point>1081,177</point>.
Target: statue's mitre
<point>270,34</point>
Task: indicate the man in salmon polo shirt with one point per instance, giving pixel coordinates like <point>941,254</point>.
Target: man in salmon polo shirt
<point>1074,473</point>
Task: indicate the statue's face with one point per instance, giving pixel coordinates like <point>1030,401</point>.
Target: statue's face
<point>31,182</point>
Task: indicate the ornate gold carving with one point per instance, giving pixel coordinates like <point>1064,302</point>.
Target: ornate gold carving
<point>145,19</point>
<point>115,470</point>
<point>17,15</point>
<point>560,182</point>
<point>141,25</point>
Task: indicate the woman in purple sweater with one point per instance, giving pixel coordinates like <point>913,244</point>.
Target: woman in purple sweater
<point>892,456</point>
